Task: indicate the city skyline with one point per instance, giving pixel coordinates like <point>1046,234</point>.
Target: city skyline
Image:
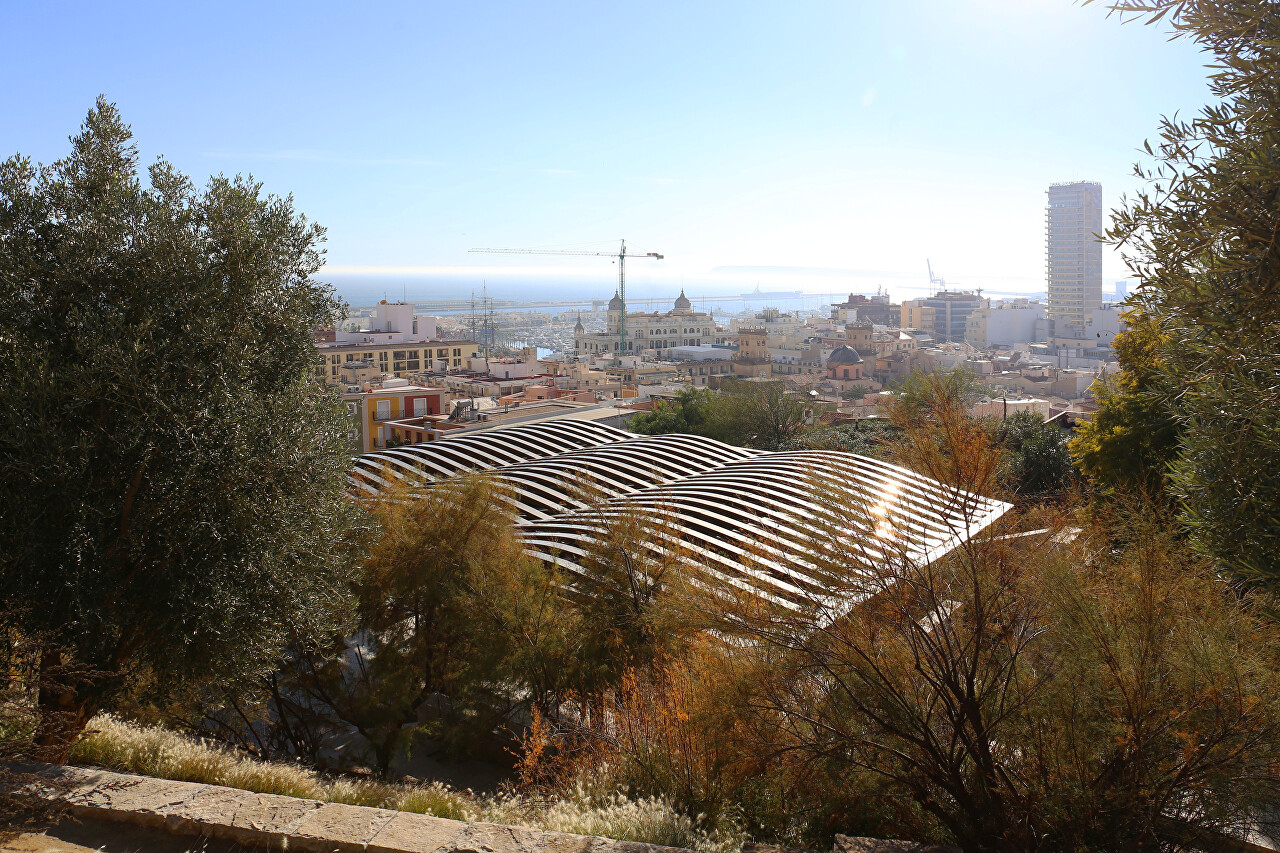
<point>828,145</point>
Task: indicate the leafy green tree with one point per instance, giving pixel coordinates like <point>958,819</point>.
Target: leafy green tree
<point>1201,235</point>
<point>455,631</point>
<point>926,396</point>
<point>1039,462</point>
<point>868,437</point>
<point>1128,443</point>
<point>763,415</point>
<point>173,480</point>
<point>687,413</point>
<point>754,414</point>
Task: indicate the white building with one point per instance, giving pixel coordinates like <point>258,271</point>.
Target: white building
<point>679,327</point>
<point>1102,325</point>
<point>1006,322</point>
<point>1073,255</point>
<point>1002,407</point>
<point>773,321</point>
<point>391,323</point>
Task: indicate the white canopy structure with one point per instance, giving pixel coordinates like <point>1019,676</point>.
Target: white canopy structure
<point>770,523</point>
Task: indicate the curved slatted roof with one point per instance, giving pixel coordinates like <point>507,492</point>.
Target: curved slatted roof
<point>767,523</point>
<point>421,464</point>
<point>581,479</point>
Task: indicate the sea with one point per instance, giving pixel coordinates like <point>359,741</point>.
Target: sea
<point>756,289</point>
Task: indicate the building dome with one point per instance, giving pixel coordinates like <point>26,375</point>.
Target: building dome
<point>682,302</point>
<point>844,355</point>
<point>578,327</point>
<point>615,304</point>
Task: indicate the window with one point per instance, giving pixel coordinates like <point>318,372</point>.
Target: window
<point>384,412</point>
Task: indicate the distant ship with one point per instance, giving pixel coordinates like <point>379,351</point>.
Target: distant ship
<point>759,294</point>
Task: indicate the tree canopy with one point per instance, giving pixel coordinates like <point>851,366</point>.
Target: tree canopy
<point>751,414</point>
<point>1201,235</point>
<point>173,479</point>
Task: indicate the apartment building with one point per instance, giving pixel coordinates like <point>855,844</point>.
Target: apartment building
<point>1073,255</point>
<point>944,315</point>
<point>398,358</point>
<point>370,411</point>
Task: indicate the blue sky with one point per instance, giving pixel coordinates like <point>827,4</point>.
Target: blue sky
<point>862,137</point>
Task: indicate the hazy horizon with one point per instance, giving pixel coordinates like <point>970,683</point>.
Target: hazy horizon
<point>366,289</point>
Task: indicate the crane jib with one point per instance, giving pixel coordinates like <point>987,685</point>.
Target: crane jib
<point>621,255</point>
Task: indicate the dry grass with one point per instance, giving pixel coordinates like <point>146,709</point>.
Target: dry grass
<point>118,745</point>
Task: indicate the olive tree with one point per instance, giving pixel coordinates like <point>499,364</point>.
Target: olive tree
<point>1201,234</point>
<point>173,479</point>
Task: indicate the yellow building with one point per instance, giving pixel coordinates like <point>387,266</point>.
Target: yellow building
<point>369,411</point>
<point>752,358</point>
<point>400,359</point>
<point>914,314</point>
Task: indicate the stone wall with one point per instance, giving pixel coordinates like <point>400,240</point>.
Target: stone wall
<point>269,820</point>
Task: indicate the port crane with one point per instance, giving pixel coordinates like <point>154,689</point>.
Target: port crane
<point>940,282</point>
<point>622,254</point>
<point>934,279</point>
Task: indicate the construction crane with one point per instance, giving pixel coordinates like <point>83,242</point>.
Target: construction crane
<point>622,254</point>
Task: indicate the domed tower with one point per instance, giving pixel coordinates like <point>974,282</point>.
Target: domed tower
<point>578,331</point>
<point>683,305</point>
<point>615,312</point>
<point>844,363</point>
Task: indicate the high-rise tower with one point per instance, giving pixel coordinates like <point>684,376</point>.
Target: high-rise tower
<point>1073,255</point>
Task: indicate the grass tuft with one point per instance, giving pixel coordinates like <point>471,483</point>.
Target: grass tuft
<point>151,751</point>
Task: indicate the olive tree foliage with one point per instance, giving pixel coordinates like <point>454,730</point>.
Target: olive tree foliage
<point>1202,236</point>
<point>764,415</point>
<point>173,480</point>
<point>869,437</point>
